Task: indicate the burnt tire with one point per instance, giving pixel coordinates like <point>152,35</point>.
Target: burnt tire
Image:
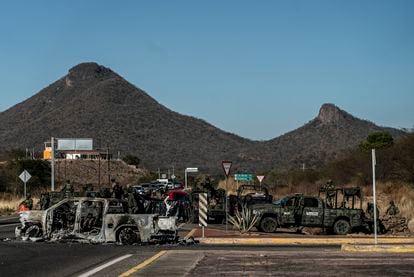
<point>33,231</point>
<point>127,236</point>
<point>268,225</point>
<point>341,227</point>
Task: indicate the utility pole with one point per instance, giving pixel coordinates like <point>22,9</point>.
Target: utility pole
<point>99,170</point>
<point>109,166</point>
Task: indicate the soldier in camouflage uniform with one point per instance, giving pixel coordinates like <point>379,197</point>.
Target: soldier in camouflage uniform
<point>28,202</point>
<point>392,209</point>
<point>329,188</point>
<point>117,191</point>
<point>44,201</point>
<point>67,189</point>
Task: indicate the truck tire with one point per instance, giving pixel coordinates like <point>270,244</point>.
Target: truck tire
<point>268,224</point>
<point>127,236</point>
<point>33,231</point>
<point>341,227</point>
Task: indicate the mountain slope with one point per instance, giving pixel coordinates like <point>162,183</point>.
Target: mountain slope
<point>93,101</point>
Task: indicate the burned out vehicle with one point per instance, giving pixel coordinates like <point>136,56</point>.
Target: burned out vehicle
<point>95,220</point>
<point>337,210</point>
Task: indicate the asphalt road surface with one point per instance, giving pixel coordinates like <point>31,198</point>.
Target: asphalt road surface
<point>75,259</point>
<point>19,258</point>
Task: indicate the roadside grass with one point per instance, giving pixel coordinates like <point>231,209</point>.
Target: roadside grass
<point>9,203</point>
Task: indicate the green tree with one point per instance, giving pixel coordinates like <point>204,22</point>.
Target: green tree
<point>39,169</point>
<point>377,140</point>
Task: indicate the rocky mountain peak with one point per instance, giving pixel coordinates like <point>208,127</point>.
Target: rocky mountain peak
<point>87,71</point>
<point>329,113</point>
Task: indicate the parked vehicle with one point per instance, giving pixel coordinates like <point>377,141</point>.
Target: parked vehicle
<point>338,212</point>
<point>138,189</point>
<point>95,220</point>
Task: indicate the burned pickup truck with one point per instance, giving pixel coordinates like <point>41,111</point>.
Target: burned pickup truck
<point>95,220</point>
<point>337,210</point>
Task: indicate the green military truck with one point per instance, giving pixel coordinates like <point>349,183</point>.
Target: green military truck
<point>335,210</point>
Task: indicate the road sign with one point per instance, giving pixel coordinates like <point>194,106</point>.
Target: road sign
<point>260,178</point>
<point>25,176</point>
<point>189,170</point>
<point>202,210</point>
<point>226,167</point>
<point>243,177</point>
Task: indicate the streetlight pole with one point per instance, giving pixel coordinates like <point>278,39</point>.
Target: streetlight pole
<point>185,178</point>
<point>52,179</point>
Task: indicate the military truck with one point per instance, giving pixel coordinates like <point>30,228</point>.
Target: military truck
<point>335,210</point>
<point>95,220</point>
<point>216,211</point>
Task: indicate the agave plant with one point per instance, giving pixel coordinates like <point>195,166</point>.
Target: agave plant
<point>244,220</point>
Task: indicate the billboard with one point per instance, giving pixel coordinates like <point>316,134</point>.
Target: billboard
<point>69,144</point>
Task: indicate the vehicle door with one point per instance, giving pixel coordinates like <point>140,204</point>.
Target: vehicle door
<point>288,211</point>
<point>90,217</point>
<point>62,218</point>
<point>312,213</point>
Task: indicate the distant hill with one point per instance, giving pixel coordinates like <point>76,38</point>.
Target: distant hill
<point>320,141</point>
<point>93,101</point>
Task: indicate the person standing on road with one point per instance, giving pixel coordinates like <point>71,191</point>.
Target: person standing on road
<point>67,189</point>
<point>28,202</point>
<point>117,191</point>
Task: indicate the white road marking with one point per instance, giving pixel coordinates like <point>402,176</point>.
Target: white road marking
<point>9,218</point>
<point>181,225</point>
<point>105,265</point>
<point>9,225</point>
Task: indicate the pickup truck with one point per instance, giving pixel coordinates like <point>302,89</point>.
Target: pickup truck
<point>95,220</point>
<point>310,211</point>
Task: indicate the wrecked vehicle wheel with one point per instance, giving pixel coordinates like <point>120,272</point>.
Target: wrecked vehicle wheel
<point>127,236</point>
<point>33,231</point>
<point>341,227</point>
<point>268,225</point>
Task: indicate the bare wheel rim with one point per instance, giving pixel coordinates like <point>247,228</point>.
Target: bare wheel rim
<point>33,231</point>
<point>127,236</point>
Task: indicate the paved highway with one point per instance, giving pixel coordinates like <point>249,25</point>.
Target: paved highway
<point>19,258</point>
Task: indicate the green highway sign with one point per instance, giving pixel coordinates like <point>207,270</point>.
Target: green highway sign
<point>243,177</point>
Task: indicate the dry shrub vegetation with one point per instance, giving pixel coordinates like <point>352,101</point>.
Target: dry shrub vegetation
<point>9,203</point>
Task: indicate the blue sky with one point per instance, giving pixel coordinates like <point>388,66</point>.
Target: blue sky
<point>254,68</point>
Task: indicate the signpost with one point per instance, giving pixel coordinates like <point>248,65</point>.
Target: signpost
<point>260,178</point>
<point>25,177</point>
<point>202,211</point>
<point>189,170</point>
<point>226,165</point>
<point>374,163</point>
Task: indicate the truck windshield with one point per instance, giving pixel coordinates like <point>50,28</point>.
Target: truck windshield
<point>285,201</point>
